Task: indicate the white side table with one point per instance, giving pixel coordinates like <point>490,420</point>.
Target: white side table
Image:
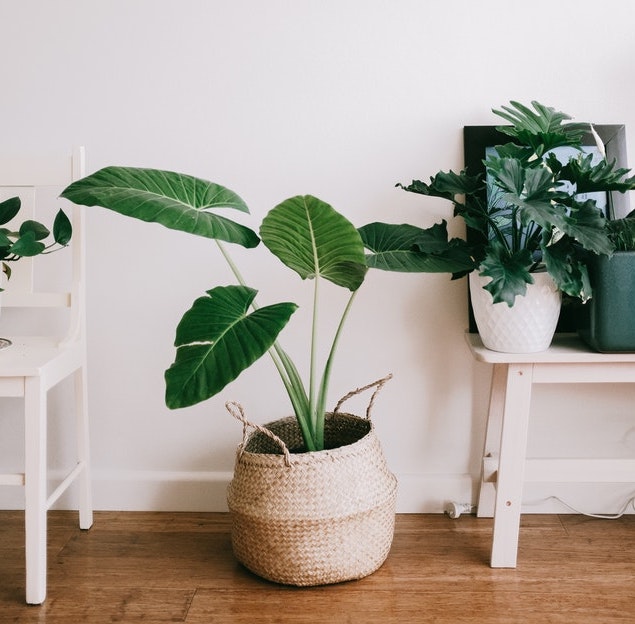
<point>505,465</point>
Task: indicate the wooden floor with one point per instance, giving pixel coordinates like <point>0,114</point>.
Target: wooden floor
<point>178,567</point>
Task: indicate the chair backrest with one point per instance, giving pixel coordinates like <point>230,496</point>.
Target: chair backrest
<point>38,282</point>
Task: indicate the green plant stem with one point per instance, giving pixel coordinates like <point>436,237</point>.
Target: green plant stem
<point>313,365</point>
<point>499,235</point>
<point>321,404</point>
<point>489,221</point>
<point>285,367</point>
<point>310,412</point>
<point>52,248</point>
<point>516,231</point>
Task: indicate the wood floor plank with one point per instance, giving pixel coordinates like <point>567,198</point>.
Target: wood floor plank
<point>88,605</point>
<point>353,605</point>
<point>159,567</point>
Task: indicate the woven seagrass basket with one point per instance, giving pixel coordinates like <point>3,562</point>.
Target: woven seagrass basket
<point>312,518</point>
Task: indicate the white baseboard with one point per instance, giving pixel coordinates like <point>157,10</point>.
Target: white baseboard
<point>427,493</point>
<point>206,491</point>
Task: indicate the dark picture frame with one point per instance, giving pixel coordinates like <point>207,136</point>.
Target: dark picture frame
<point>476,141</point>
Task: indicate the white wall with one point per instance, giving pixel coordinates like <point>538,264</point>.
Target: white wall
<point>338,98</point>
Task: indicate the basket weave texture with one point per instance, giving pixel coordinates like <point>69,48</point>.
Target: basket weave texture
<point>313,518</point>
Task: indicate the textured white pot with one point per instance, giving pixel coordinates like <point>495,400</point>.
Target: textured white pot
<point>528,326</point>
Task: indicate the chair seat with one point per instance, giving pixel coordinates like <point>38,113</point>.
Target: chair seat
<point>33,356</point>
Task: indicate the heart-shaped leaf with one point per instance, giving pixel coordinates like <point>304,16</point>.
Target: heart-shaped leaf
<point>62,229</point>
<point>177,201</point>
<point>9,208</point>
<point>315,240</point>
<point>217,339</point>
<point>27,245</point>
<point>39,231</point>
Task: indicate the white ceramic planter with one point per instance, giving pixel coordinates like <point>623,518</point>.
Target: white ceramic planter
<point>528,326</point>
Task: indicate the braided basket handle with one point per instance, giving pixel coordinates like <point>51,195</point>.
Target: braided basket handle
<point>237,411</point>
<point>378,385</point>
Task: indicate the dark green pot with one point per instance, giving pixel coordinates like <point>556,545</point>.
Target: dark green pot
<point>611,322</point>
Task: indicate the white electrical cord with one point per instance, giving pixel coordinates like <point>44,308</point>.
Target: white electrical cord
<point>454,509</point>
<point>619,514</point>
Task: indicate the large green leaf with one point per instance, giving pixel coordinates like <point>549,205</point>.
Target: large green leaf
<point>602,176</point>
<point>509,272</point>
<point>543,128</point>
<point>513,150</point>
<point>408,248</point>
<point>447,185</point>
<point>531,190</point>
<point>177,201</point>
<point>315,240</point>
<point>586,224</point>
<point>569,272</point>
<point>509,173</point>
<point>217,339</point>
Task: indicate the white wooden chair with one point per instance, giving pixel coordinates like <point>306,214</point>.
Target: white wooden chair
<point>34,364</point>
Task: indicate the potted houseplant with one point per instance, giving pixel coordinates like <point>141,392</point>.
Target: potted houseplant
<point>529,220</point>
<point>609,327</point>
<point>306,531</point>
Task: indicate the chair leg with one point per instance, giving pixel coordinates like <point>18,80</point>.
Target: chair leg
<point>35,489</point>
<point>83,450</point>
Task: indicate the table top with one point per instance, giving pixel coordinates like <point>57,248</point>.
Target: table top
<point>565,348</point>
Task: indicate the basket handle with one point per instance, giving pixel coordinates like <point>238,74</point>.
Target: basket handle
<point>379,384</point>
<point>237,411</point>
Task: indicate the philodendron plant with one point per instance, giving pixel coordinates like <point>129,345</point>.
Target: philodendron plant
<point>225,331</point>
<point>30,238</point>
<point>530,213</point>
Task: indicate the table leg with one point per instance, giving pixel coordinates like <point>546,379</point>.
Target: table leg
<point>511,465</point>
<point>491,447</point>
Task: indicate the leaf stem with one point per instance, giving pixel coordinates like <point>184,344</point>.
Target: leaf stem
<point>285,367</point>
<point>313,366</point>
<point>326,377</point>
